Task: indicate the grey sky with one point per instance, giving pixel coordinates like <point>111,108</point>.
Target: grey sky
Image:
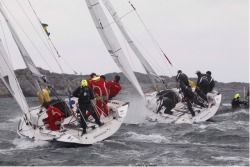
<point>195,35</point>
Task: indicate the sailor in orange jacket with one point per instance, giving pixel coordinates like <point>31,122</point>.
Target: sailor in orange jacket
<point>55,117</point>
<point>113,87</point>
<point>101,94</point>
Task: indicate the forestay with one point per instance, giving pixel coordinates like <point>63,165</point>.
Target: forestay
<point>108,36</point>
<point>9,79</point>
<point>149,70</point>
<point>26,57</point>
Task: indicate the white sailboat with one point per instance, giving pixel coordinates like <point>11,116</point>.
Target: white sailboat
<point>180,113</point>
<point>31,124</point>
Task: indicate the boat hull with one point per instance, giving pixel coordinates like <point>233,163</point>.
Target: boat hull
<point>32,126</point>
<point>180,111</point>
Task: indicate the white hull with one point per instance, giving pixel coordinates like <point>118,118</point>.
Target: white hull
<point>180,112</point>
<point>35,129</point>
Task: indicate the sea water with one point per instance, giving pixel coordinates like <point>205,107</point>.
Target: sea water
<point>223,141</point>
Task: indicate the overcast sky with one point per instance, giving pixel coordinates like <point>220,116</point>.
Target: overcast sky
<point>195,35</point>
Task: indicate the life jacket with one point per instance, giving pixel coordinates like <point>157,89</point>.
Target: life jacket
<point>113,88</point>
<point>99,88</point>
<point>55,118</point>
<point>44,97</point>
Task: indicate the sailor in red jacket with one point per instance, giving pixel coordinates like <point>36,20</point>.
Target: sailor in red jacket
<point>101,94</point>
<point>55,117</point>
<point>113,87</point>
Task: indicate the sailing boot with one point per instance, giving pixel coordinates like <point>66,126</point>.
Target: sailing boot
<point>84,131</point>
<point>94,115</point>
<point>168,112</point>
<point>193,114</point>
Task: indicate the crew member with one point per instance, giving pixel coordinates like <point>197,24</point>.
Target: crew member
<point>169,100</point>
<point>202,85</point>
<point>55,117</point>
<point>101,94</point>
<point>182,78</point>
<point>210,81</point>
<point>85,96</point>
<point>190,98</point>
<point>237,103</point>
<point>113,87</point>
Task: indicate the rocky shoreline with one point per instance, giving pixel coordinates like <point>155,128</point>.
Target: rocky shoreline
<point>63,82</point>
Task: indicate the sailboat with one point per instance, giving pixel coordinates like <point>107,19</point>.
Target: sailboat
<point>31,124</point>
<point>180,112</point>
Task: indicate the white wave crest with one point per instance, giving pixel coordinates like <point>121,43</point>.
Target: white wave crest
<point>22,143</point>
<point>154,138</point>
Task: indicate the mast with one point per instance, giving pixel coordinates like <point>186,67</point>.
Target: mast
<point>108,36</point>
<point>149,70</point>
<point>25,55</point>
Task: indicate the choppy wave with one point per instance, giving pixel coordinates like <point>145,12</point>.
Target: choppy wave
<point>223,141</point>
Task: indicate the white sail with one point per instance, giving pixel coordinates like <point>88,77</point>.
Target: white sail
<point>149,70</point>
<point>9,79</point>
<point>26,57</point>
<point>108,36</point>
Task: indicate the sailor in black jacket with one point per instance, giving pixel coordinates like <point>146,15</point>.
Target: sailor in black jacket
<point>85,96</point>
<point>210,81</point>
<point>182,78</point>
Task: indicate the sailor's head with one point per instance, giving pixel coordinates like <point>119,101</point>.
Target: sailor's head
<point>103,77</point>
<point>179,71</point>
<point>92,75</point>
<point>45,104</point>
<point>237,95</point>
<point>84,82</point>
<point>198,73</point>
<point>208,73</point>
<point>117,78</point>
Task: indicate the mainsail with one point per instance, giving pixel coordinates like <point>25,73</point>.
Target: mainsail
<point>26,57</point>
<point>9,79</point>
<point>149,70</point>
<point>108,36</point>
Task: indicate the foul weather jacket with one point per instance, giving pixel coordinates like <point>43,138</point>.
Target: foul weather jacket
<point>113,88</point>
<point>54,119</point>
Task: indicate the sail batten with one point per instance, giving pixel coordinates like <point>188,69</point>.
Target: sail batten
<point>108,36</point>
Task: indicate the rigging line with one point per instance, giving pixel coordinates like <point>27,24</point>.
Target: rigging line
<point>53,55</point>
<point>5,41</point>
<point>119,18</point>
<point>40,23</point>
<point>50,39</point>
<point>130,57</point>
<point>156,67</point>
<point>59,56</point>
<point>160,51</point>
<point>145,49</point>
<point>69,65</point>
<point>50,50</point>
<point>149,32</point>
<point>27,37</point>
<point>36,81</point>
